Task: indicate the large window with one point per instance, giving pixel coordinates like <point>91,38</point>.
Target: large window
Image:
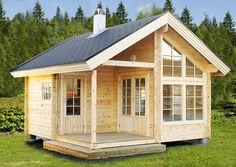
<point>172,61</point>
<point>138,87</point>
<point>140,96</point>
<point>46,91</point>
<point>194,106</point>
<point>172,102</point>
<point>126,97</point>
<point>73,96</point>
<point>192,70</point>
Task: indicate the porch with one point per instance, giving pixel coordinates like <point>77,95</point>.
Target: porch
<point>107,145</point>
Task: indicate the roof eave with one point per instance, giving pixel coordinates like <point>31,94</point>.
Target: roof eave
<point>79,67</point>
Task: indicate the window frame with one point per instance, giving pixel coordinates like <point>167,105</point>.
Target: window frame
<point>46,101</point>
<point>82,98</point>
<point>183,80</point>
<point>134,76</point>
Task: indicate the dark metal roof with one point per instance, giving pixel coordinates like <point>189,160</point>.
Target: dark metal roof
<point>79,49</point>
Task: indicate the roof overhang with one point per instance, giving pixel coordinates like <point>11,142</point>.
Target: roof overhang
<point>52,70</point>
<point>130,40</point>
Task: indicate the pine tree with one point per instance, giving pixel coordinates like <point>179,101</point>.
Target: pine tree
<point>228,22</point>
<point>38,11</point>
<point>58,16</point>
<point>187,18</point>
<point>3,19</point>
<point>66,17</point>
<point>99,6</point>
<point>168,6</point>
<point>108,18</point>
<point>121,15</point>
<point>147,11</point>
<point>79,16</point>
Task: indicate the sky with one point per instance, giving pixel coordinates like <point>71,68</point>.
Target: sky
<point>215,8</point>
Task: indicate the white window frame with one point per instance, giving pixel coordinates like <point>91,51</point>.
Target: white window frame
<point>165,80</point>
<point>82,99</point>
<point>133,76</point>
<point>46,101</point>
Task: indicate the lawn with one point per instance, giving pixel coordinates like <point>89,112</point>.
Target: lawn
<point>221,151</point>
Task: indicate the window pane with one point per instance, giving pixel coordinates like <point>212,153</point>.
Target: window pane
<point>189,102</point>
<point>167,90</point>
<point>142,110</point>
<point>177,103</point>
<point>189,64</point>
<point>124,83</point>
<point>142,93</point>
<point>128,110</point>
<point>167,71</point>
<point>69,102</point>
<point>69,110</point>
<point>177,115</point>
<point>199,114</point>
<point>189,72</point>
<point>128,101</point>
<point>136,109</point>
<point>128,91</point>
<point>77,101</point>
<point>190,114</point>
<point>167,61</point>
<point>137,92</point>
<point>166,48</point>
<point>136,82</point>
<point>198,73</point>
<point>142,82</point>
<point>177,60</point>
<point>167,103</point>
<point>177,90</point>
<point>167,115</point>
<point>189,90</point>
<point>177,71</point>
<point>198,90</point>
<point>76,110</point>
<point>128,83</point>
<point>198,102</point>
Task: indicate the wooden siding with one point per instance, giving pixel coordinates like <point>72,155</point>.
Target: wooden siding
<point>40,113</point>
<point>182,132</point>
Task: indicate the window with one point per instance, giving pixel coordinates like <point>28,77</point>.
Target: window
<point>194,99</point>
<point>46,91</point>
<point>134,88</point>
<point>172,103</point>
<point>192,70</point>
<point>140,94</point>
<point>73,96</point>
<point>172,61</point>
<point>126,96</point>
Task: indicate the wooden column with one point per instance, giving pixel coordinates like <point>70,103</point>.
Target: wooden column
<point>157,86</point>
<point>94,108</point>
<point>26,106</point>
<point>208,106</point>
<point>55,108</point>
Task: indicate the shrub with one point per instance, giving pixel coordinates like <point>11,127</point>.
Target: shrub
<point>219,117</point>
<point>11,119</point>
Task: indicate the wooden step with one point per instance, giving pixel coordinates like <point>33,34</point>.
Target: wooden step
<point>86,153</point>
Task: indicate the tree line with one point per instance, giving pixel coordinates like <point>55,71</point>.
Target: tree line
<point>30,33</point>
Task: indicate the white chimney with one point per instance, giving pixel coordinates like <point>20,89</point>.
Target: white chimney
<point>99,22</point>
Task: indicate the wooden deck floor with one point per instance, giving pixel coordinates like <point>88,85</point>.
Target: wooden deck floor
<point>107,137</point>
<point>86,153</point>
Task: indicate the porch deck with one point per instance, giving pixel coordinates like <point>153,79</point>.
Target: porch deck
<point>107,145</point>
<point>105,140</point>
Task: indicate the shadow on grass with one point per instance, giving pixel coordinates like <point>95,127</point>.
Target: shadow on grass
<point>39,146</point>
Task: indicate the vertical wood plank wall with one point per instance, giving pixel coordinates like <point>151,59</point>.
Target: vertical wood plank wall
<point>26,106</point>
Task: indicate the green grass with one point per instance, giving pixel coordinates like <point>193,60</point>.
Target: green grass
<point>221,151</point>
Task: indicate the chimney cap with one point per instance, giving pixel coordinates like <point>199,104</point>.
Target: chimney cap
<point>100,11</point>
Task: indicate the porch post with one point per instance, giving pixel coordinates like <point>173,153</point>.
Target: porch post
<point>157,85</point>
<point>94,108</point>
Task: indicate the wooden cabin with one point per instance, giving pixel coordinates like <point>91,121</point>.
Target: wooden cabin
<point>121,90</point>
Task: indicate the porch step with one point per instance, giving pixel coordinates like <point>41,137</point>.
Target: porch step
<point>86,153</point>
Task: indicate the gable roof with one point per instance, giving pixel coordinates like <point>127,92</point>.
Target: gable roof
<point>81,53</point>
<point>81,48</point>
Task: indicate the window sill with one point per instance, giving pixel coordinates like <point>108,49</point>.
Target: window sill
<point>183,122</point>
